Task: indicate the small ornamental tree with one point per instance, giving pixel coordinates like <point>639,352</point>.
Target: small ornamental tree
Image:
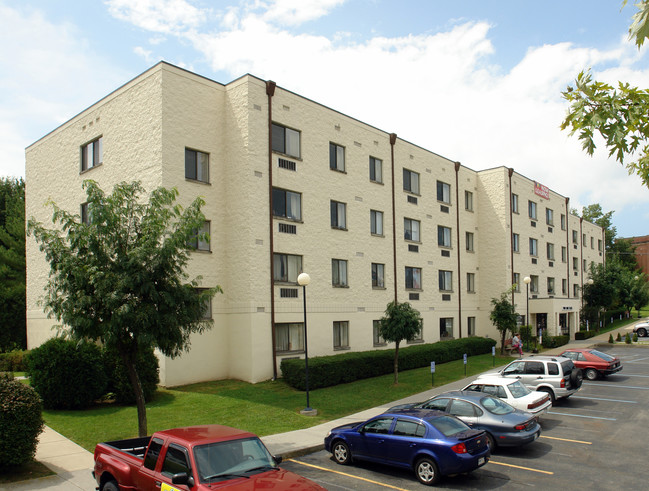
<point>118,275</point>
<point>401,321</point>
<point>503,316</point>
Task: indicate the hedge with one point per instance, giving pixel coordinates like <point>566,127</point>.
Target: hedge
<point>555,341</point>
<point>584,334</point>
<point>12,361</point>
<point>118,382</point>
<point>325,371</point>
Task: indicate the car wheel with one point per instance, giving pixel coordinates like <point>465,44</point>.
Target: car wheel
<point>427,471</point>
<point>491,441</point>
<point>642,332</point>
<point>591,374</point>
<point>341,453</point>
<point>548,392</point>
<point>576,378</point>
<point>110,486</point>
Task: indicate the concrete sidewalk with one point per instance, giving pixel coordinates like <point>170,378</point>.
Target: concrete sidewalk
<point>73,464</point>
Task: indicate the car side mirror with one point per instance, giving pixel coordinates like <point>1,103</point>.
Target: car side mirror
<point>278,459</point>
<point>183,478</point>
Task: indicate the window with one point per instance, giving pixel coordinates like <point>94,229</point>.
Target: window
<point>289,337</point>
<point>92,154</point>
<point>564,254</point>
<point>534,251</point>
<point>376,222</point>
<point>550,251</point>
<point>531,209</point>
<point>575,263</point>
<point>287,204</point>
<point>443,236</point>
<point>376,334</point>
<point>339,272</point>
<point>549,216</point>
<point>378,274</point>
<point>575,237</point>
<point>550,286</point>
<point>413,278</point>
<point>409,428</point>
<point>564,286</point>
<point>201,239</point>
<point>410,181</point>
<point>85,213</point>
<point>445,280</point>
<point>286,267</point>
<point>446,327</point>
<point>470,325</point>
<point>599,245</point>
<point>376,170</point>
<point>534,284</point>
<point>443,192</point>
<point>592,242</point>
<point>336,157</point>
<point>583,239</point>
<point>563,221</point>
<point>153,453</point>
<point>338,215</point>
<point>516,243</point>
<point>575,291</point>
<point>517,282</point>
<point>286,141</point>
<point>411,229</point>
<point>197,165</point>
<point>420,334</point>
<point>468,200</point>
<point>469,241</point>
<point>514,203</point>
<point>470,282</point>
<point>585,265</point>
<point>207,307</point>
<point>175,461</point>
<point>341,334</point>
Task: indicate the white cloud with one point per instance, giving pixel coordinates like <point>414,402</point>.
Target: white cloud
<point>295,12</point>
<point>164,16</point>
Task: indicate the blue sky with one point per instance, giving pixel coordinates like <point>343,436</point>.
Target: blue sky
<point>477,81</point>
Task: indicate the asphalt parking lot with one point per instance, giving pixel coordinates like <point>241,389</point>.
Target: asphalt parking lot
<point>597,439</point>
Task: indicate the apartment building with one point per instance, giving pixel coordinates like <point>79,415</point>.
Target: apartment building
<point>290,186</point>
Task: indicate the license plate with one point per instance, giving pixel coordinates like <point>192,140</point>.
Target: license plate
<point>481,461</point>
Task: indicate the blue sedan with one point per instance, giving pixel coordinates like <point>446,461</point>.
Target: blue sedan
<point>432,443</point>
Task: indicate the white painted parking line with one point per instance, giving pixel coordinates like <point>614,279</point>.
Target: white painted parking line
<point>618,386</point>
<point>632,375</point>
<point>637,360</point>
<point>604,399</point>
<point>582,416</point>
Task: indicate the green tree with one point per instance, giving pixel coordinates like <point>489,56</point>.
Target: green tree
<point>639,292</point>
<point>119,276</point>
<point>503,316</point>
<point>620,115</point>
<point>623,251</point>
<point>401,321</point>
<point>12,264</point>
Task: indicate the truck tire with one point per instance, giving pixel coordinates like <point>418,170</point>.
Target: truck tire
<point>110,486</point>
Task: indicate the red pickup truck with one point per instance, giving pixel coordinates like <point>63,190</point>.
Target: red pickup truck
<point>194,458</point>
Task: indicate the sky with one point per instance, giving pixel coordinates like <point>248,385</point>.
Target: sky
<point>476,81</point>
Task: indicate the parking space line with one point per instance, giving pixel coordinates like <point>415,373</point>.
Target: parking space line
<point>347,475</point>
<point>521,467</point>
<point>582,416</point>
<point>566,440</point>
<point>618,386</point>
<point>633,375</point>
<point>604,399</point>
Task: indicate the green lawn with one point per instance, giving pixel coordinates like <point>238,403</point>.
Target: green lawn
<point>265,408</point>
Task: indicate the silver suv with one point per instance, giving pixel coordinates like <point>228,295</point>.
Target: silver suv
<point>556,375</point>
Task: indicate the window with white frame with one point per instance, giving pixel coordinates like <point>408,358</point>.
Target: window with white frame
<point>445,280</point>
<point>575,290</point>
<point>443,236</point>
<point>378,275</point>
<point>86,216</point>
<point>592,242</point>
<point>376,170</point>
<point>446,327</point>
<point>575,237</point>
<point>583,239</point>
<point>413,278</point>
<point>420,333</point>
<point>336,157</point>
<point>289,337</point>
<point>564,254</point>
<point>468,200</point>
<point>550,285</point>
<point>443,192</point>
<point>516,242</point>
<point>534,284</point>
<point>563,221</point>
<point>470,282</point>
<point>514,203</point>
<point>286,140</point>
<point>549,216</point>
<point>531,209</point>
<point>517,282</point>
<point>550,251</point>
<point>411,229</point>
<point>197,165</point>
<point>377,339</point>
<point>339,272</point>
<point>207,306</point>
<point>287,204</point>
<point>338,214</point>
<point>470,324</point>
<point>92,154</point>
<point>410,181</point>
<point>286,267</point>
<point>575,263</point>
<point>534,247</point>
<point>201,239</point>
<point>599,245</point>
<point>376,222</point>
<point>469,241</point>
<point>564,286</point>
<point>341,334</point>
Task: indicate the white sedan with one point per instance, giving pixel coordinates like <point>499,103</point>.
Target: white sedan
<point>513,392</point>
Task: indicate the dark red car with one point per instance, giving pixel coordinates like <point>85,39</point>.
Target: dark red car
<point>593,363</point>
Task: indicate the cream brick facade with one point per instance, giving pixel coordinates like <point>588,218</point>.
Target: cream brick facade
<point>147,124</point>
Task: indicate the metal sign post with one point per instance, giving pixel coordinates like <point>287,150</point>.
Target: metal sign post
<point>432,371</point>
<point>465,364</point>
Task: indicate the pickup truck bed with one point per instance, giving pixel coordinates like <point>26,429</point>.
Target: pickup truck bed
<point>133,446</point>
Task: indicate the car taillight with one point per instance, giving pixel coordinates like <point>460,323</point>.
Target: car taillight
<point>538,403</point>
<point>520,427</point>
<point>563,383</point>
<point>459,448</point>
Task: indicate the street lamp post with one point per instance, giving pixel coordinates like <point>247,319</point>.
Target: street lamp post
<point>527,281</point>
<point>590,282</point>
<point>304,279</point>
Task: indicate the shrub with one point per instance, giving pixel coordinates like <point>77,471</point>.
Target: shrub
<point>584,334</point>
<point>13,361</point>
<point>21,422</point>
<point>325,371</point>
<point>627,338</point>
<point>610,338</point>
<point>555,341</point>
<point>619,337</point>
<point>67,374</point>
<point>635,337</point>
<point>120,385</point>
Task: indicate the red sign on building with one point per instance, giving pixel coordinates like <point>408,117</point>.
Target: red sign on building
<point>541,190</point>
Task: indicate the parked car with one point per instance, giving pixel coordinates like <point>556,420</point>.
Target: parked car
<point>593,363</point>
<point>197,457</point>
<point>504,424</point>
<point>431,443</point>
<point>641,329</point>
<point>514,393</point>
<point>556,375</point>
